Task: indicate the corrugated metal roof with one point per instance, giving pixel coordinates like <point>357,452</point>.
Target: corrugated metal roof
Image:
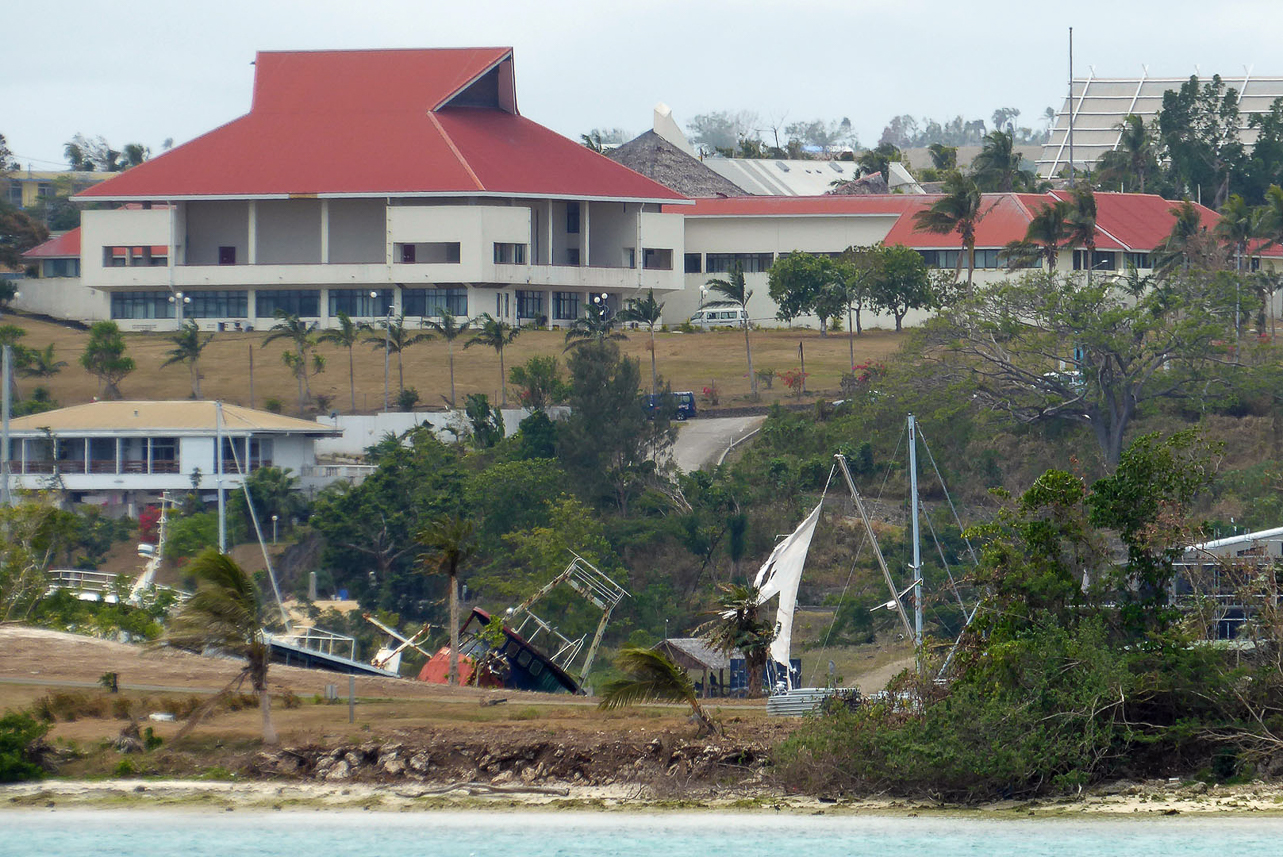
<point>782,177</point>
<point>379,123</point>
<point>64,246</point>
<point>177,416</point>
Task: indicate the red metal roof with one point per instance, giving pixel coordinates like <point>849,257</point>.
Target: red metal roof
<point>64,246</point>
<point>799,206</point>
<point>379,123</point>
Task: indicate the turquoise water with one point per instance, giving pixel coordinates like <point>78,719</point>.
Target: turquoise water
<point>72,833</point>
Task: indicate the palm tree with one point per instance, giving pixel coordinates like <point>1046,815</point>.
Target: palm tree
<point>447,542</point>
<point>1270,227</point>
<point>1132,158</point>
<point>997,167</point>
<point>652,676</point>
<point>1080,225</point>
<point>595,325</point>
<point>960,210</point>
<point>1044,237</point>
<point>347,335</point>
<point>40,362</point>
<point>188,346</point>
<point>498,335</point>
<point>1182,243</point>
<point>395,338</point>
<point>1239,224</point>
<point>225,614</point>
<point>449,330</point>
<point>593,142</point>
<point>291,327</point>
<point>736,626</point>
<point>647,311</point>
<point>734,292</point>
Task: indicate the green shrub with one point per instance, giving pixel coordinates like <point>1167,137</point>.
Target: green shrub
<point>18,732</point>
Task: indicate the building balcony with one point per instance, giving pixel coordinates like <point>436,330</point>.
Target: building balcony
<point>588,278</point>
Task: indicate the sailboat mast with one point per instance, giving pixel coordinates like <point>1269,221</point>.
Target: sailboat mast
<point>219,463</point>
<point>917,539</point>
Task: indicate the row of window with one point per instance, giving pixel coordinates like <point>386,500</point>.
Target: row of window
<point>757,263</point>
<point>135,257</point>
<point>305,303</point>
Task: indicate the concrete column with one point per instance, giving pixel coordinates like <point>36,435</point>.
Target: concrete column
<point>547,303</point>
<point>251,251</point>
<point>548,252</point>
<point>584,244</point>
<point>325,232</point>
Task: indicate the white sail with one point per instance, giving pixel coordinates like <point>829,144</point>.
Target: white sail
<point>780,575</point>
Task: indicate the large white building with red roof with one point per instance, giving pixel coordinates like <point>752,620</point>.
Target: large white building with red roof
<point>377,182</point>
<point>406,182</point>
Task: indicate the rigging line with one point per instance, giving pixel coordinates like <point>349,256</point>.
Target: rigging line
<point>864,537</point>
<point>267,560</point>
<point>940,549</point>
<point>948,498</point>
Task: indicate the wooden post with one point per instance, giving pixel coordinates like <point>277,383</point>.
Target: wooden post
<point>351,698</point>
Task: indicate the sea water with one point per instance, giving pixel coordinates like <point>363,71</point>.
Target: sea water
<point>160,833</point>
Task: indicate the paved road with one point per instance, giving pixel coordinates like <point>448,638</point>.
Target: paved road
<point>702,441</point>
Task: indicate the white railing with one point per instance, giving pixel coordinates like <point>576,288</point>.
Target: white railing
<point>354,473</point>
<point>322,641</point>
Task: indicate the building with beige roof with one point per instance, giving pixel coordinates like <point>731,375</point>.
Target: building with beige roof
<point>124,454</point>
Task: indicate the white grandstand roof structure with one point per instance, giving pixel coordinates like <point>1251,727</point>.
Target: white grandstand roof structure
<point>1101,103</point>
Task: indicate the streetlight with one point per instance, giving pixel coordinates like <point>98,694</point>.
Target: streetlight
<point>274,517</point>
<point>178,299</point>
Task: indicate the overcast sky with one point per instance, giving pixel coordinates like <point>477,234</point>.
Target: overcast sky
<point>145,70</point>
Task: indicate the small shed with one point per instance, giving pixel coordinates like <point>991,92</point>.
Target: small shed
<point>694,655</point>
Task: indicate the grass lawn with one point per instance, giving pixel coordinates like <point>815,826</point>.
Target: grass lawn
<point>690,361</point>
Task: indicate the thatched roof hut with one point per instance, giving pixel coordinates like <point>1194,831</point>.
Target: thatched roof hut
<point>661,161</point>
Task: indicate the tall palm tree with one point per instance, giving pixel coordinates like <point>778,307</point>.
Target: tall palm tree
<point>447,542</point>
<point>449,330</point>
<point>395,338</point>
<point>498,335</point>
<point>595,325</point>
<point>737,626</point>
<point>1182,243</point>
<point>1080,225</point>
<point>225,614</point>
<point>301,360</point>
<point>1045,235</point>
<point>1239,224</point>
<point>347,335</point>
<point>735,292</point>
<point>652,676</point>
<point>1132,159</point>
<point>649,312</point>
<point>960,210</point>
<point>188,346</point>
<point>997,167</point>
<point>1270,228</point>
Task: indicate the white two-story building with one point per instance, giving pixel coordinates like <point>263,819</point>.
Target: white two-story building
<point>126,454</point>
<point>399,182</point>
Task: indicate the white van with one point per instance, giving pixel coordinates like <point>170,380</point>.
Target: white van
<point>726,317</point>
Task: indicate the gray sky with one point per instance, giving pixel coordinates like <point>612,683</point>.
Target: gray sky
<point>146,69</point>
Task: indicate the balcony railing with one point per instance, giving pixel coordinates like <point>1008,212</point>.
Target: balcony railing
<point>95,466</point>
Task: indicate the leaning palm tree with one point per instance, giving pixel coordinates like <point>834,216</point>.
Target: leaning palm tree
<point>447,542</point>
<point>1045,235</point>
<point>347,335</point>
<point>997,167</point>
<point>498,335</point>
<point>735,292</point>
<point>225,614</point>
<point>1182,245</point>
<point>449,330</point>
<point>647,311</point>
<point>395,339</point>
<point>653,677</point>
<point>594,326</point>
<point>960,210</point>
<point>1080,224</point>
<point>188,346</point>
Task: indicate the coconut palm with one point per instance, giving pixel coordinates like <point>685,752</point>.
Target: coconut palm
<point>447,543</point>
<point>1182,244</point>
<point>1238,225</point>
<point>347,335</point>
<point>736,626</point>
<point>39,362</point>
<point>1131,160</point>
<point>449,330</point>
<point>188,346</point>
<point>498,335</point>
<point>653,677</point>
<point>960,210</point>
<point>595,325</point>
<point>395,339</point>
<point>301,361</point>
<point>1044,237</point>
<point>997,167</point>
<point>647,311</point>
<point>735,292</point>
<point>225,614</point>
<point>1080,225</point>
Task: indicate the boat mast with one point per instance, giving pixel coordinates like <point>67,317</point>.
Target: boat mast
<point>219,464</point>
<point>917,539</point>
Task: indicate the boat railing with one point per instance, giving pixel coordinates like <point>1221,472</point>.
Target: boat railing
<point>322,641</point>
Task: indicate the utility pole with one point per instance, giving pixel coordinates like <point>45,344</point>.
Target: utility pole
<point>6,406</point>
<point>1071,107</point>
<point>218,463</point>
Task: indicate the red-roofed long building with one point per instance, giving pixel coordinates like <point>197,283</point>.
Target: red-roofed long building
<point>376,182</point>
